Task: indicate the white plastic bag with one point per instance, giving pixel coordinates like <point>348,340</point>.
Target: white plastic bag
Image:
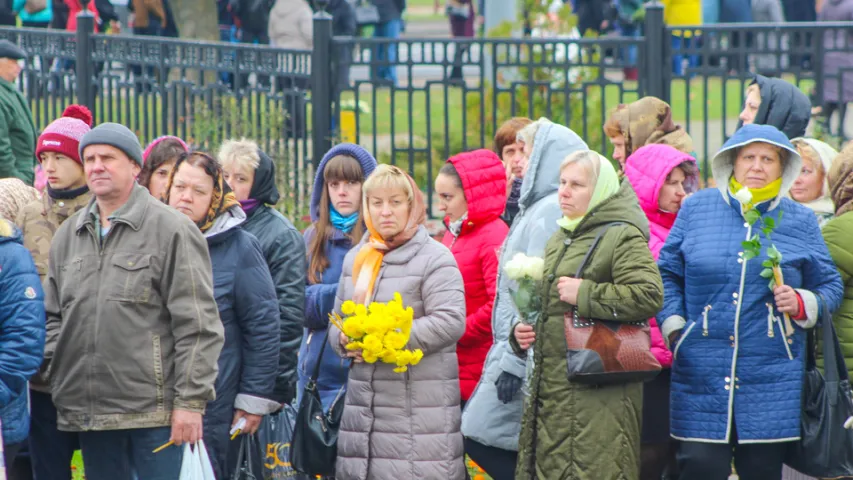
<point>196,463</point>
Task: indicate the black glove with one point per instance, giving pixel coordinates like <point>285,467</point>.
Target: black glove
<point>507,385</point>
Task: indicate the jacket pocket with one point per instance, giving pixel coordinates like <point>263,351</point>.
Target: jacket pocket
<point>157,354</point>
<point>682,340</point>
<point>131,278</point>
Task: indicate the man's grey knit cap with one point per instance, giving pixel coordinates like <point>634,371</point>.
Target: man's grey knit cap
<point>114,135</point>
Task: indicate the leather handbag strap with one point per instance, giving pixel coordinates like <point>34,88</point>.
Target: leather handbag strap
<point>833,363</point>
<point>316,374</point>
<point>592,247</point>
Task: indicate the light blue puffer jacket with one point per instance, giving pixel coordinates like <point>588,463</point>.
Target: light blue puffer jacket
<point>733,364</point>
<point>486,419</point>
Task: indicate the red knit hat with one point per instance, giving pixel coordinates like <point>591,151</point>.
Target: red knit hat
<point>63,135</point>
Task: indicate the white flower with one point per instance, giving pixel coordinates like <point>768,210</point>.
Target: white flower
<point>521,266</point>
<point>534,268</point>
<point>744,196</point>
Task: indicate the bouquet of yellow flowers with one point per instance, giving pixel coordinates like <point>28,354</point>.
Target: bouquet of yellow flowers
<point>381,331</point>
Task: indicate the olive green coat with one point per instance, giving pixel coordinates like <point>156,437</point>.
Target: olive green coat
<point>837,235</point>
<point>572,431</point>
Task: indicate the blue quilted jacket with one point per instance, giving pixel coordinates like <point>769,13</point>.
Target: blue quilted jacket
<point>22,324</point>
<point>733,364</point>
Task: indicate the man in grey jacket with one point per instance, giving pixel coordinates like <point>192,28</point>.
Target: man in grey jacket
<point>133,329</point>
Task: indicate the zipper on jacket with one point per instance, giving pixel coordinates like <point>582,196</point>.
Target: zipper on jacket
<point>770,320</point>
<point>681,340</point>
<point>705,320</point>
<point>784,338</point>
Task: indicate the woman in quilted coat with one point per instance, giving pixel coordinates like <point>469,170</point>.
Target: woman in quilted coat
<point>738,365</point>
<point>402,425</point>
<point>570,430</point>
<point>492,418</point>
<point>471,190</point>
<point>662,177</point>
<point>245,297</point>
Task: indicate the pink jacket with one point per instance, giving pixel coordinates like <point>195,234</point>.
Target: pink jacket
<point>647,170</point>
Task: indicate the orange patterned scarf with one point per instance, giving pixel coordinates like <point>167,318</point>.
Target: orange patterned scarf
<point>368,261</point>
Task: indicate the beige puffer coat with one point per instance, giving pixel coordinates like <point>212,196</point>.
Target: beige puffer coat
<point>407,425</point>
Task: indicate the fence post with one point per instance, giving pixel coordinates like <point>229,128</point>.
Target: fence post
<point>655,61</point>
<point>84,67</point>
<point>321,84</point>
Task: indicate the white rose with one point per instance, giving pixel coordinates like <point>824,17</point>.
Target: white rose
<point>534,268</point>
<point>744,196</point>
<point>515,267</point>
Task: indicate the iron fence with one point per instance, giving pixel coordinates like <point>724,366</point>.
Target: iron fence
<point>450,95</point>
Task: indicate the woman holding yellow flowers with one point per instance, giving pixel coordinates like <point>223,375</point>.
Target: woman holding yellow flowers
<point>400,424</point>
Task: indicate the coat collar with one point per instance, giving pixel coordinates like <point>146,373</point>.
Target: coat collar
<point>132,213</point>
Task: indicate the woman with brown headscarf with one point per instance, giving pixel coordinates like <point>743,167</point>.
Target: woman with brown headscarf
<point>245,296</point>
<point>644,122</point>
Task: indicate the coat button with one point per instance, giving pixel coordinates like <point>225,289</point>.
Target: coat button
<point>739,260</point>
<point>732,338</point>
<point>470,224</point>
<point>790,341</point>
<point>739,254</point>
<point>734,302</point>
<point>733,345</point>
<point>734,295</point>
<point>745,224</point>
<point>551,277</point>
<point>567,242</point>
<point>61,204</point>
<point>728,387</point>
<point>728,379</point>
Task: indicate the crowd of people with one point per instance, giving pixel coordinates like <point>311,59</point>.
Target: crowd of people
<point>156,296</point>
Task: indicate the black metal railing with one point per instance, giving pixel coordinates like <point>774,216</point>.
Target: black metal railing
<point>450,94</point>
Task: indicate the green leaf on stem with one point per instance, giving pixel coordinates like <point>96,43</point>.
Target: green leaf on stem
<point>767,273</point>
<point>752,216</point>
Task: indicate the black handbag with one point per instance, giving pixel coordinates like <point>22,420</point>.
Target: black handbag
<point>366,13</point>
<point>826,447</point>
<point>247,459</point>
<point>314,448</point>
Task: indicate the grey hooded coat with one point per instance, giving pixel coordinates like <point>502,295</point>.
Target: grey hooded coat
<point>486,419</point>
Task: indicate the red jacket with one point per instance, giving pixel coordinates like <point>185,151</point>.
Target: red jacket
<point>75,7</point>
<point>476,251</point>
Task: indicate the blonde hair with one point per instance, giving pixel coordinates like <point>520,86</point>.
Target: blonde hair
<point>6,229</point>
<point>528,134</point>
<point>387,176</point>
<point>753,88</point>
<point>588,160</point>
<point>241,154</point>
<point>807,153</point>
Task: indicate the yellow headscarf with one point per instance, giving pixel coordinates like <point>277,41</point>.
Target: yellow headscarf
<point>759,195</point>
<point>606,185</point>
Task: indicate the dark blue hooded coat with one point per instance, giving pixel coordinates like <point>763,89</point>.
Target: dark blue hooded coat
<point>320,297</point>
<point>248,309</point>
